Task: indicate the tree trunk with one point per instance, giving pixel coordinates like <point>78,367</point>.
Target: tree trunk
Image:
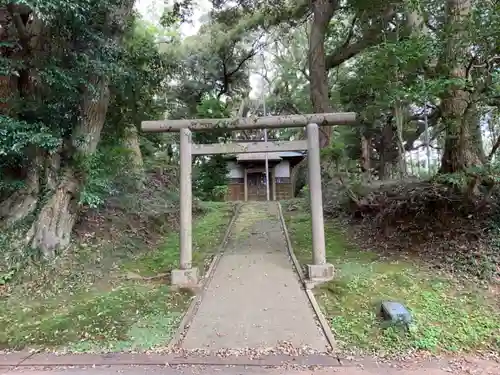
<point>398,116</point>
<point>366,157</point>
<point>387,154</point>
<point>51,230</point>
<point>463,143</point>
<point>323,11</point>
<point>132,144</point>
<point>462,147</point>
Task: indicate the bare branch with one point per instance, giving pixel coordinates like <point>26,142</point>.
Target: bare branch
<point>24,35</point>
<point>304,72</point>
<point>494,149</point>
<point>350,34</point>
<point>371,37</point>
<point>249,56</point>
<point>433,118</point>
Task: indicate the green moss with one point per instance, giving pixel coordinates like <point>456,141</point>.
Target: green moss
<point>450,315</point>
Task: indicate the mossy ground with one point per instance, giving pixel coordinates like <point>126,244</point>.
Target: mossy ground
<point>88,302</point>
<point>450,314</point>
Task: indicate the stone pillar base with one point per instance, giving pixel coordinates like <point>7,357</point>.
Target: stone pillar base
<point>320,273</point>
<point>185,278</point>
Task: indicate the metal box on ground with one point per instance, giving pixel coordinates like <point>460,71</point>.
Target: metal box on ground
<point>395,312</point>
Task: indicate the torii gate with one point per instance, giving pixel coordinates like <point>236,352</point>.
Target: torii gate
<point>319,270</point>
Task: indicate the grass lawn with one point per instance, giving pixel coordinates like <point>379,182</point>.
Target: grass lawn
<point>449,315</point>
<point>82,310</point>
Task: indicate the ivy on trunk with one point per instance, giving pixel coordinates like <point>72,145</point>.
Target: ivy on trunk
<point>61,78</point>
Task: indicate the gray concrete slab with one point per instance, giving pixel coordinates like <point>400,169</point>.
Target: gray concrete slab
<point>172,359</point>
<point>201,370</point>
<point>422,367</point>
<point>254,299</point>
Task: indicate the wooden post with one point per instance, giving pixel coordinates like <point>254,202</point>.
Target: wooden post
<point>319,270</point>
<point>273,179</point>
<point>246,185</point>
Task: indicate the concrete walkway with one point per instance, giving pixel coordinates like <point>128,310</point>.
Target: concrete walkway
<point>254,299</point>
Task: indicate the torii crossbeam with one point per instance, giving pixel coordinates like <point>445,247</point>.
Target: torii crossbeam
<point>319,270</point>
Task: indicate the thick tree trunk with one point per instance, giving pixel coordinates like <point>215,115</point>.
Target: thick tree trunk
<point>399,118</point>
<point>366,157</point>
<point>386,152</point>
<point>323,11</point>
<point>51,230</point>
<point>61,180</point>
<point>463,143</point>
<point>132,144</point>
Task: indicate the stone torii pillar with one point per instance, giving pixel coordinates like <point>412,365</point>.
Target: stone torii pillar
<point>186,275</point>
<point>319,270</point>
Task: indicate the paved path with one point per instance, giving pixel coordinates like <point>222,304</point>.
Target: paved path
<point>254,299</point>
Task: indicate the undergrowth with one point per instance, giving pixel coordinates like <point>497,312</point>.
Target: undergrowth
<point>86,299</point>
<point>432,221</point>
<point>450,314</point>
